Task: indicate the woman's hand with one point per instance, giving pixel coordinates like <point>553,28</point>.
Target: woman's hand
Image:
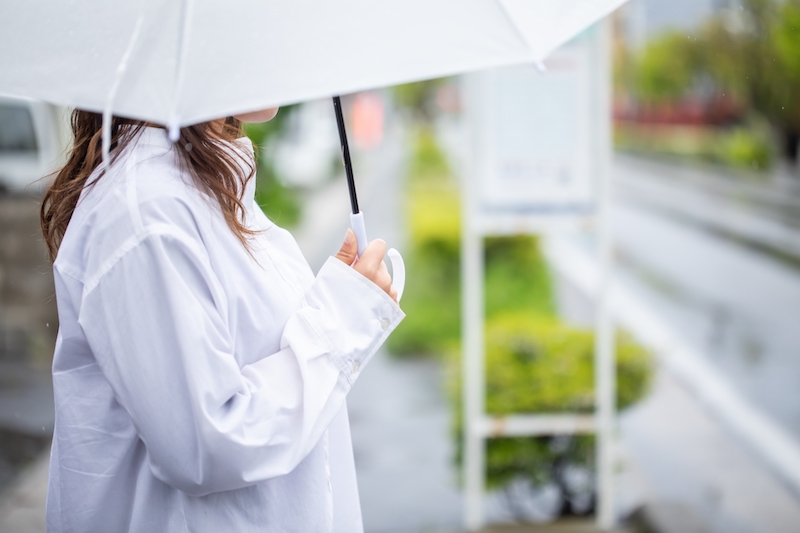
<point>370,264</point>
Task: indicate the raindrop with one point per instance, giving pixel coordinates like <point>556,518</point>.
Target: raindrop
<point>47,324</point>
<point>188,147</point>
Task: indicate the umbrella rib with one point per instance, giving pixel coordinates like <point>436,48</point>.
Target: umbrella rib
<point>173,127</point>
<point>112,92</point>
<point>517,29</point>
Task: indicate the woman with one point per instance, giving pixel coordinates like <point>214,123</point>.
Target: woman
<point>201,369</point>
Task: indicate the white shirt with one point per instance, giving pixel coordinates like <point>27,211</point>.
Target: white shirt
<point>199,388</point>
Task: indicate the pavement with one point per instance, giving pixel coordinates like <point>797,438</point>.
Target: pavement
<point>28,322</point>
<point>22,504</point>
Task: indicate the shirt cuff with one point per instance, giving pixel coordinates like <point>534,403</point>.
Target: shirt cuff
<point>351,314</point>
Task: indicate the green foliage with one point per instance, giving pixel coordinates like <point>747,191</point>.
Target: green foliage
<point>535,364</point>
<point>432,300</point>
<point>752,54</point>
<point>434,212</point>
<point>746,146</point>
<point>534,458</point>
<point>517,277</point>
<point>666,68</point>
<point>418,98</point>
<point>280,203</point>
<point>516,274</point>
<point>786,36</point>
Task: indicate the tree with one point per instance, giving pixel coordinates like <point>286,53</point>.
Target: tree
<point>752,54</point>
<point>786,38</point>
<point>666,68</point>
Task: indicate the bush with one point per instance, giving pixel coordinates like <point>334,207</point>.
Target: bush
<point>536,364</point>
<point>747,148</point>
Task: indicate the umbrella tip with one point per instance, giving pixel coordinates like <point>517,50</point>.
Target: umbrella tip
<point>540,66</point>
<point>174,131</point>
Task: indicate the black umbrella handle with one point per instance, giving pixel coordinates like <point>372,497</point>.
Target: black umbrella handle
<point>356,217</point>
<point>348,165</point>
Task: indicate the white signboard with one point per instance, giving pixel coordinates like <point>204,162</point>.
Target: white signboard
<point>535,135</point>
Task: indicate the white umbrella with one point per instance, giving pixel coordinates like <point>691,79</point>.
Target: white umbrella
<point>178,63</point>
<point>182,62</point>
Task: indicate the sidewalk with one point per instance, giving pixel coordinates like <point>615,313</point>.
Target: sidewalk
<point>22,503</point>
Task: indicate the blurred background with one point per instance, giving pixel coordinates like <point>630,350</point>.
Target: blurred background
<point>706,243</point>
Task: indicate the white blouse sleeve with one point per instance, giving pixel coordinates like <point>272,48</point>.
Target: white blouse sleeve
<point>154,320</point>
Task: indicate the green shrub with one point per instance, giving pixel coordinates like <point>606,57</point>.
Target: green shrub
<point>539,364</point>
<point>517,277</point>
<point>536,364</point>
<point>747,148</point>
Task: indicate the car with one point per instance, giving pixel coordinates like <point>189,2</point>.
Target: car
<point>33,139</point>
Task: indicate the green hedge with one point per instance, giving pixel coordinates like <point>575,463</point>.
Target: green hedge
<point>536,364</point>
<point>539,364</point>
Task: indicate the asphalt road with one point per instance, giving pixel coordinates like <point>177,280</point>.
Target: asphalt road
<point>735,303</point>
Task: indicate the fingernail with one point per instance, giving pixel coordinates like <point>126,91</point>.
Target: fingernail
<point>349,237</point>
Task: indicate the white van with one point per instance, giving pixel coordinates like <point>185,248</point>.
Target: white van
<point>33,141</point>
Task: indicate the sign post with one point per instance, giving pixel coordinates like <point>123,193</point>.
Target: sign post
<point>539,162</point>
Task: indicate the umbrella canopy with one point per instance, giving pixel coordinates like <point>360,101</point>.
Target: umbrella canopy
<point>182,62</point>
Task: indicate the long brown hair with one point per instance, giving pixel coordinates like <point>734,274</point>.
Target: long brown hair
<point>203,151</point>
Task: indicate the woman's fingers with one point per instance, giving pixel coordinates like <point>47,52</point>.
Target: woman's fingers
<point>371,266</point>
<point>382,278</point>
<point>349,249</point>
<point>370,261</point>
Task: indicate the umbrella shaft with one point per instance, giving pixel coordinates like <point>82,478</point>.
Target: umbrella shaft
<point>348,166</point>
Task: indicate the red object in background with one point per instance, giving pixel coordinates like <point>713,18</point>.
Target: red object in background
<point>367,129</point>
<point>448,98</point>
<point>716,111</point>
